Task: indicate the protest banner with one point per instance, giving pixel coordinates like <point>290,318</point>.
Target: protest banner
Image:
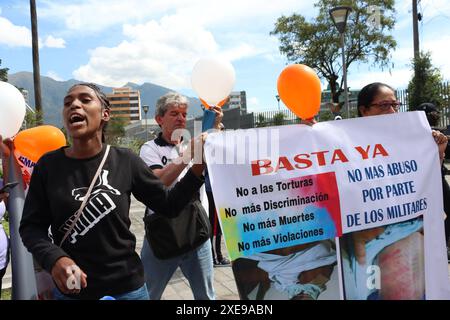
<point>347,209</point>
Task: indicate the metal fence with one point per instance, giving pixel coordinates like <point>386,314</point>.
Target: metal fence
<point>286,116</point>
<point>274,118</point>
<point>444,90</point>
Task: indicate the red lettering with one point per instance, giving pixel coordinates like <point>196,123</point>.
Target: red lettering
<point>320,157</point>
<point>286,164</point>
<point>364,153</point>
<point>379,149</point>
<point>338,155</point>
<point>257,165</point>
<point>300,160</point>
<point>305,160</point>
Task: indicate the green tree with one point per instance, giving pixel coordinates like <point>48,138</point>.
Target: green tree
<point>3,73</point>
<point>134,144</point>
<point>64,131</point>
<point>317,43</point>
<point>30,119</point>
<point>261,121</point>
<point>325,116</point>
<point>425,85</point>
<point>115,130</point>
<point>278,119</point>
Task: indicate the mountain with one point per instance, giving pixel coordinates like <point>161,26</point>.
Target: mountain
<point>53,93</point>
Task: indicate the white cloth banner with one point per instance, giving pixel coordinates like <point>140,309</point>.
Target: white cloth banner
<point>374,183</point>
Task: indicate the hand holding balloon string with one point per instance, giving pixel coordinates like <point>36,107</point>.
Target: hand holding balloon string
<point>5,150</point>
<point>5,147</point>
<point>219,116</point>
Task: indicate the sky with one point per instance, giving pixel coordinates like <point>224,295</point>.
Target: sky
<point>112,42</point>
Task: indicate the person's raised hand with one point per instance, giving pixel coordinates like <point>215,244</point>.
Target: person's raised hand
<point>308,122</point>
<point>4,196</point>
<point>5,147</point>
<point>219,116</point>
<point>441,140</point>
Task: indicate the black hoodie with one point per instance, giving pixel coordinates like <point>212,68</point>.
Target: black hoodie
<point>101,243</point>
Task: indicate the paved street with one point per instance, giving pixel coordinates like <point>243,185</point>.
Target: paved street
<point>178,288</point>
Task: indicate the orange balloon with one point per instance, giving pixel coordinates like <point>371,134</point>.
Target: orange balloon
<point>299,88</point>
<point>35,142</point>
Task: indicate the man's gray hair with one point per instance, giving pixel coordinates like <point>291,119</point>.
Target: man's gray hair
<point>169,99</point>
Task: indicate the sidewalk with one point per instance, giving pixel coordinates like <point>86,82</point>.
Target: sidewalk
<point>178,287</point>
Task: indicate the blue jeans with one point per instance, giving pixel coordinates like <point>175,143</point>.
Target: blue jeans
<point>196,265</point>
<point>138,294</point>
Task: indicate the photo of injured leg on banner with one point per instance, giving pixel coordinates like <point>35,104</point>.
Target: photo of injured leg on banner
<point>301,272</point>
<point>390,266</point>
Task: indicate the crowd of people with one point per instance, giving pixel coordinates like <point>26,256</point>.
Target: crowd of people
<point>76,213</point>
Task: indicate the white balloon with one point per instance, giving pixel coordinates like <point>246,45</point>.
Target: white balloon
<point>213,79</point>
<point>12,110</point>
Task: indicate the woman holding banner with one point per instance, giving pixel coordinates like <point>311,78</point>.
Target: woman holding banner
<point>377,99</point>
<point>82,192</point>
<point>392,248</point>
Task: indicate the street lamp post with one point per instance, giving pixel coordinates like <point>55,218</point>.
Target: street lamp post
<point>278,100</point>
<point>145,108</point>
<point>36,67</point>
<point>339,16</point>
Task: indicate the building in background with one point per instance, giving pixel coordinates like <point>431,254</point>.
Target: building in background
<point>125,104</point>
<point>238,99</point>
<point>26,95</point>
